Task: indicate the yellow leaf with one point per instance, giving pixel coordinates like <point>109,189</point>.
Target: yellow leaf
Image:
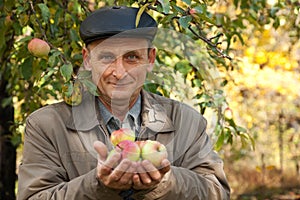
<point>139,14</point>
<point>258,169</point>
<point>270,167</point>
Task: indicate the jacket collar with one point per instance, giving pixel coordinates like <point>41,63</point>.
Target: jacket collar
<point>86,116</point>
<point>154,115</point>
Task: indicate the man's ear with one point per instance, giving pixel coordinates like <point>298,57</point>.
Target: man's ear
<point>151,57</point>
<point>86,59</point>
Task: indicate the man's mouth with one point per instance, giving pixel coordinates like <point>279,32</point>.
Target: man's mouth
<point>119,85</point>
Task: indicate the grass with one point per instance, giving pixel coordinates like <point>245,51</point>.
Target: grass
<point>249,184</point>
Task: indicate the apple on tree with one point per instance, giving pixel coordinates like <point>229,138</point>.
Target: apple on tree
<point>228,113</point>
<point>38,47</point>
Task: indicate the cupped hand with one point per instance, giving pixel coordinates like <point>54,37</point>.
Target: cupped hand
<point>114,172</point>
<point>148,175</point>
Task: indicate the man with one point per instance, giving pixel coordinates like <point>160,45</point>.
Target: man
<point>65,148</point>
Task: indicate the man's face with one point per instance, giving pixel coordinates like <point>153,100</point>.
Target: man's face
<point>119,66</point>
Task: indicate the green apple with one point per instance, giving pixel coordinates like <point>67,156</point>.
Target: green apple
<point>153,151</point>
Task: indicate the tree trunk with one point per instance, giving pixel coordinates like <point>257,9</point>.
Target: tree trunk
<point>281,129</point>
<point>7,150</point>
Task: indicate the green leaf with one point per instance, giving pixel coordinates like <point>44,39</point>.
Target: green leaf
<point>6,101</point>
<point>201,9</point>
<point>240,129</point>
<point>151,87</point>
<point>165,5</point>
<point>49,74</point>
<point>66,71</point>
<point>220,141</point>
<point>273,11</point>
<point>26,68</point>
<point>84,74</point>
<point>68,89</point>
<point>244,142</point>
<point>74,35</point>
<point>236,3</point>
<point>276,23</point>
<point>45,11</point>
<point>183,67</point>
<point>2,33</point>
<point>197,83</point>
<point>177,9</point>
<point>185,21</point>
<point>188,2</point>
<point>52,61</point>
<point>16,140</point>
<point>92,88</point>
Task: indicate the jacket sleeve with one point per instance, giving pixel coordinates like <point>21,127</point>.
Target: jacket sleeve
<point>197,170</point>
<point>42,175</point>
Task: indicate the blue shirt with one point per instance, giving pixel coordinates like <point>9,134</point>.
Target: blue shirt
<point>132,118</point>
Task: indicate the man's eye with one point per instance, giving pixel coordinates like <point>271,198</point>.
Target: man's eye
<point>131,57</point>
<point>106,58</point>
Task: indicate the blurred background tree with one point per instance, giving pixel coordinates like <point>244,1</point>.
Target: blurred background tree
<point>242,71</point>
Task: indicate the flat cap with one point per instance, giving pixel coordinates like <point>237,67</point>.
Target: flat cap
<point>121,20</point>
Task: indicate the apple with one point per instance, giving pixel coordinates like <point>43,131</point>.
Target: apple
<point>38,47</point>
<point>129,150</point>
<point>153,151</point>
<point>192,11</point>
<point>228,113</point>
<point>122,134</point>
<point>140,143</point>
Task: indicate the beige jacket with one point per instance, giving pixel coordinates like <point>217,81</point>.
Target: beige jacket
<point>59,161</point>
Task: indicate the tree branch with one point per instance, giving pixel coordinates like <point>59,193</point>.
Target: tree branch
<point>210,43</point>
<point>200,36</point>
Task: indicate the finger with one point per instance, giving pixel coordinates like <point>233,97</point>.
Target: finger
<point>120,170</point>
<point>143,175</point>
<point>137,184</point>
<point>151,170</point>
<point>127,176</point>
<point>110,163</point>
<point>101,150</point>
<point>165,166</point>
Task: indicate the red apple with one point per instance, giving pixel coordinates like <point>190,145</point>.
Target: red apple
<point>38,47</point>
<point>129,150</point>
<point>140,143</point>
<point>192,11</point>
<point>154,151</point>
<point>122,134</point>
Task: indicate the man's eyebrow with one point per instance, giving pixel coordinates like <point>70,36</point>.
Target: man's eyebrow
<point>104,52</point>
<point>136,51</point>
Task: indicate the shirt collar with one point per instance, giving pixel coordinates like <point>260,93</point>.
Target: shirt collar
<point>134,111</point>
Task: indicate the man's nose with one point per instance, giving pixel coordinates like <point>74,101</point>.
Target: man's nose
<point>119,69</point>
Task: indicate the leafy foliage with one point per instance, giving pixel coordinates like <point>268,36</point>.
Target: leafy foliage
<point>34,82</point>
